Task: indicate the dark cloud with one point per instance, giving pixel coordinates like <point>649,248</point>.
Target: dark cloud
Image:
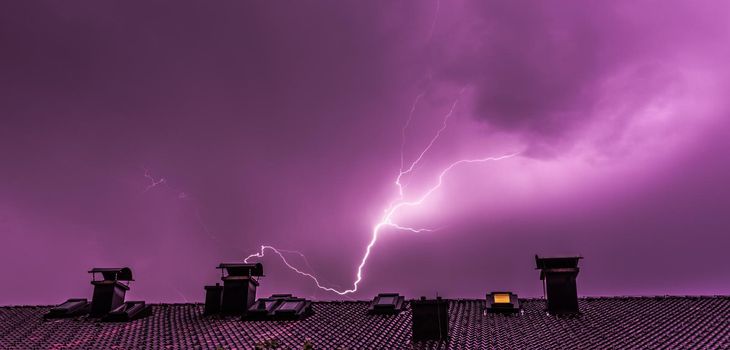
<point>540,70</point>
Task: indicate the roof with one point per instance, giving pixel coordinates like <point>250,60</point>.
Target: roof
<point>606,322</point>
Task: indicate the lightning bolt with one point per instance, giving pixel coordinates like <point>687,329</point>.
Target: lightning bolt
<point>435,19</point>
<point>395,205</point>
<point>405,128</point>
<point>153,182</point>
<point>301,255</point>
<point>191,200</point>
<point>399,202</point>
<point>435,137</point>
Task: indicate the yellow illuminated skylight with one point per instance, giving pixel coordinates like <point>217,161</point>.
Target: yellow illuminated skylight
<point>500,298</point>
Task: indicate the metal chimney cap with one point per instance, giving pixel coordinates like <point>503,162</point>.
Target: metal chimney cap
<point>556,262</point>
<point>114,273</point>
<point>242,269</point>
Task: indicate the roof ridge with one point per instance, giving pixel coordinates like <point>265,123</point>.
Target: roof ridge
<point>528,299</point>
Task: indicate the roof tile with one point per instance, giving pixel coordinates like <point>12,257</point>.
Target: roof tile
<point>607,322</point>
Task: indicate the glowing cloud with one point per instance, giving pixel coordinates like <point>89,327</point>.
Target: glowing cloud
<point>387,220</point>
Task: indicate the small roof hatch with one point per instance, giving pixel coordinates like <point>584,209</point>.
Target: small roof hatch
<point>503,302</point>
<point>69,308</point>
<point>387,303</point>
<point>130,310</point>
<point>279,307</point>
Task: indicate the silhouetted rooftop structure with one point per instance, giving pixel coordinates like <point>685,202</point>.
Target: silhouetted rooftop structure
<point>279,307</point>
<point>430,319</point>
<point>112,273</point>
<point>606,322</point>
<point>107,303</point>
<point>387,303</point>
<point>503,302</point>
<point>238,293</point>
<point>242,269</point>
<point>232,317</point>
<point>558,275</point>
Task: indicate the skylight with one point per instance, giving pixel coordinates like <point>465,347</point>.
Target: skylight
<point>279,306</point>
<point>501,298</point>
<point>502,302</point>
<point>289,306</point>
<point>70,308</point>
<point>386,300</point>
<point>387,303</point>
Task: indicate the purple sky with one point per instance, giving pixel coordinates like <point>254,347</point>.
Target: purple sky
<point>281,123</point>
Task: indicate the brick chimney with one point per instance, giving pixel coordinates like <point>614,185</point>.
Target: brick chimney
<point>558,275</point>
<point>109,291</point>
<point>430,319</point>
<point>239,286</point>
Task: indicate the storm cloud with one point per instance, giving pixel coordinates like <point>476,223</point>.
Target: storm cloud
<point>281,123</point>
<point>545,70</point>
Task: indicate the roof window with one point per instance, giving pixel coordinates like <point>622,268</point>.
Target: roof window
<point>279,306</point>
<point>502,302</point>
<point>387,303</point>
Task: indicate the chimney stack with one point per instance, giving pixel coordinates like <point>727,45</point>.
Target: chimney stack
<point>213,295</point>
<point>109,292</point>
<point>239,286</point>
<point>430,319</point>
<point>558,275</point>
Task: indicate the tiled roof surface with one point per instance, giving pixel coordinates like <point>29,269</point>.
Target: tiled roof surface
<point>605,323</point>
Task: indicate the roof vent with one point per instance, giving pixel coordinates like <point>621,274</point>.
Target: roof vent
<point>387,303</point>
<point>239,289</point>
<point>502,302</point>
<point>70,308</point>
<point>430,319</point>
<point>109,291</point>
<point>558,275</point>
<point>279,307</point>
<point>129,311</point>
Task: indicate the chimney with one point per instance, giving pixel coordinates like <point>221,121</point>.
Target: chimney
<point>213,296</point>
<point>430,319</point>
<point>558,275</point>
<point>239,286</point>
<point>109,292</point>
